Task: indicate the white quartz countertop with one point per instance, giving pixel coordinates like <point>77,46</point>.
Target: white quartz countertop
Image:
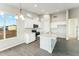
<point>48,35</point>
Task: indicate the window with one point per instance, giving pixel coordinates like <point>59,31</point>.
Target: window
<point>7,25</point>
<point>1,28</point>
<point>10,25</point>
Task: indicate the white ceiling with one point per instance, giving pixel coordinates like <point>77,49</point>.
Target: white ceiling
<point>46,8</point>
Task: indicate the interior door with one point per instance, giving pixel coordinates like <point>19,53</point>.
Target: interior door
<point>72,28</point>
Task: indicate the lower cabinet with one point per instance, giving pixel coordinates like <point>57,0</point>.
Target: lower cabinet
<point>47,43</point>
<point>29,37</point>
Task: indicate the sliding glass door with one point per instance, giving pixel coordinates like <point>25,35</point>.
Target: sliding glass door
<point>1,27</point>
<point>7,26</point>
<point>10,25</point>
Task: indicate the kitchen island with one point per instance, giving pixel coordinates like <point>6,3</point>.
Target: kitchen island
<point>47,42</point>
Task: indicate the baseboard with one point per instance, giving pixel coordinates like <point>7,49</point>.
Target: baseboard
<point>15,44</point>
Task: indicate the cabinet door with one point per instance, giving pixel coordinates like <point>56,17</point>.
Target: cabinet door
<point>72,28</point>
<point>29,37</point>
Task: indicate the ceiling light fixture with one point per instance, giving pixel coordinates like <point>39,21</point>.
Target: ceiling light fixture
<point>35,5</point>
<point>21,15</point>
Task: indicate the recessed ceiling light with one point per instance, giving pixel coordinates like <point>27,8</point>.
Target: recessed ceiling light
<point>35,5</point>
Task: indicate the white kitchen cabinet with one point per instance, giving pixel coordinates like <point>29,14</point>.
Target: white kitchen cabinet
<point>47,42</point>
<point>59,28</point>
<point>29,37</point>
<point>29,23</point>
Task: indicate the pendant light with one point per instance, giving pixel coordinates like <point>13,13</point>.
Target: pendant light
<point>21,15</point>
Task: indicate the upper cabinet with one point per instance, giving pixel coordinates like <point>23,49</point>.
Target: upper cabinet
<point>56,24</point>
<point>29,22</point>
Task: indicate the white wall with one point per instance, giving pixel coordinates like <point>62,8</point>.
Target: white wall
<point>58,24</point>
<point>74,13</point>
<point>45,23</point>
<point>61,16</point>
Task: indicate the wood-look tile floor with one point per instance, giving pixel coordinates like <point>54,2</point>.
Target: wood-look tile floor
<point>32,49</point>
